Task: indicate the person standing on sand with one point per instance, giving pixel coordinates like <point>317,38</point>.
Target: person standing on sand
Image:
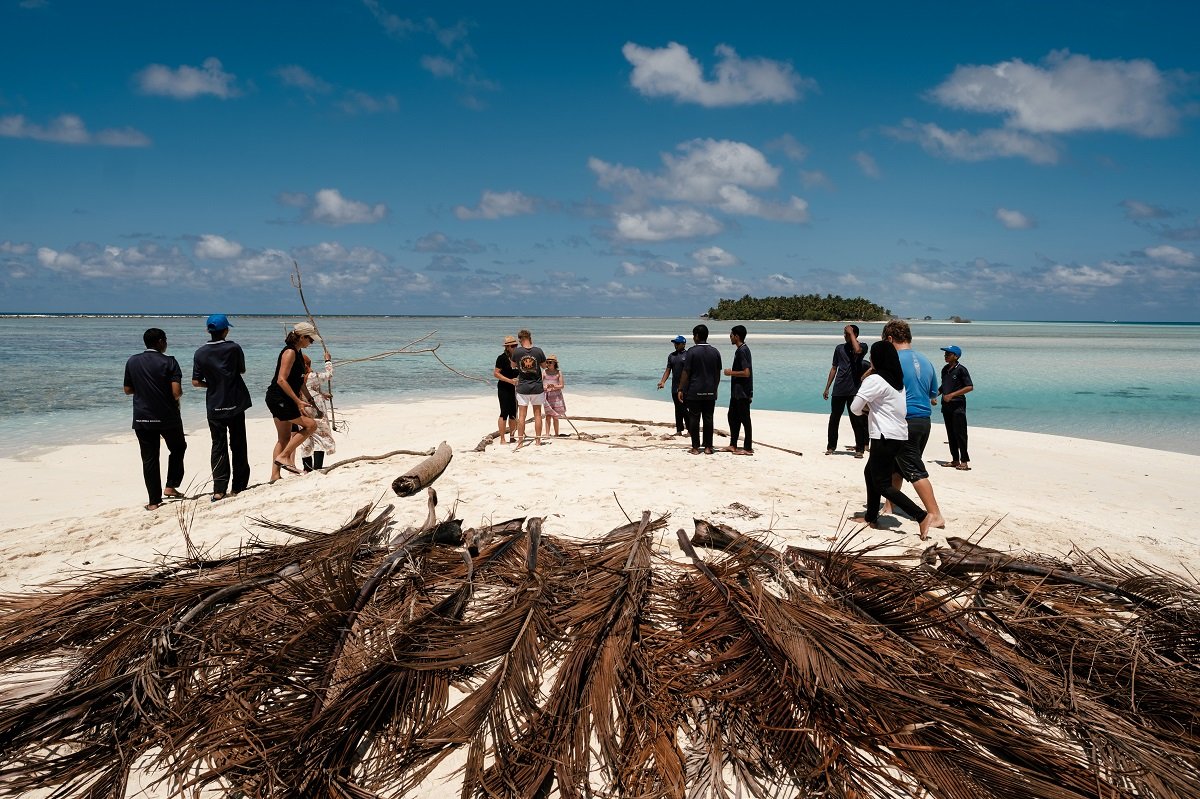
<point>505,373</point>
<point>956,384</point>
<point>741,393</point>
<point>845,375</point>
<point>920,394</point>
<point>674,369</point>
<point>882,392</point>
<point>698,388</point>
<point>529,388</point>
<point>217,367</point>
<point>155,382</point>
<point>554,382</point>
<point>287,397</point>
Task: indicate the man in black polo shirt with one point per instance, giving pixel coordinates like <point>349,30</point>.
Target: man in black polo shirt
<point>956,384</point>
<point>674,370</point>
<point>155,381</point>
<point>218,367</point>
<point>698,388</point>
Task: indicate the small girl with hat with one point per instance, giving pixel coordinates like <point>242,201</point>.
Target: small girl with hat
<point>552,380</point>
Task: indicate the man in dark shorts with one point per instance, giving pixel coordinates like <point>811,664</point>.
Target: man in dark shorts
<point>155,381</point>
<point>674,369</point>
<point>845,375</point>
<point>506,381</point>
<point>920,391</point>
<point>698,388</point>
<point>217,367</point>
<point>741,392</point>
<point>956,384</point>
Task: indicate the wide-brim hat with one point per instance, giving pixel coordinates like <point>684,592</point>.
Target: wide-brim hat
<point>305,329</point>
<point>552,357</point>
<point>510,340</point>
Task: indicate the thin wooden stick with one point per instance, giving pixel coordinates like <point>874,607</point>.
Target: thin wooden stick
<point>299,284</point>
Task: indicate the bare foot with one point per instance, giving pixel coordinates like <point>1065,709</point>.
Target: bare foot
<point>693,451</point>
<point>886,509</point>
<point>963,467</point>
<point>172,493</point>
<point>828,452</point>
<point>863,521</point>
<point>858,455</point>
<point>153,506</point>
<point>729,449</point>
<point>743,452</point>
<point>927,522</point>
<point>708,450</point>
<point>949,464</point>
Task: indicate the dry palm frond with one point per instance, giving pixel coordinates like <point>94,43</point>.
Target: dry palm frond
<point>355,663</point>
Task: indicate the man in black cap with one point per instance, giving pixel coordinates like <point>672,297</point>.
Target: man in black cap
<point>956,384</point>
<point>218,367</point>
<point>675,369</point>
<point>154,380</point>
<point>698,388</point>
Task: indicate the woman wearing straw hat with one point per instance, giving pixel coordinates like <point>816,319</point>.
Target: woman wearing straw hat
<point>287,397</point>
<point>506,392</point>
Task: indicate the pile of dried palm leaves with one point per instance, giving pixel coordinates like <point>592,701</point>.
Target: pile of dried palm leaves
<point>349,665</point>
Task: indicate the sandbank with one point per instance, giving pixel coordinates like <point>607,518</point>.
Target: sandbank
<point>80,507</point>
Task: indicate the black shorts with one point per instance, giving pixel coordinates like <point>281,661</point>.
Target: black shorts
<point>282,407</point>
<point>909,463</point>
<point>508,404</point>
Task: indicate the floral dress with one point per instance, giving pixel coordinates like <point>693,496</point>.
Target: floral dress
<point>553,383</point>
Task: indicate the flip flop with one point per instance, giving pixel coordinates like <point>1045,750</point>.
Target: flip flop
<point>287,467</point>
<point>152,507</point>
<point>176,495</point>
<point>962,467</point>
<point>217,497</point>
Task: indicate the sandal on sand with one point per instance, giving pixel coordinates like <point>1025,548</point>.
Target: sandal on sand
<point>963,467</point>
<point>693,452</point>
<point>173,495</point>
<point>217,497</point>
<point>287,467</point>
<point>708,450</point>
<point>743,452</point>
<point>858,455</point>
<point>152,506</point>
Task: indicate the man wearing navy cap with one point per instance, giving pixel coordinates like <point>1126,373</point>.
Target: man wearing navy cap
<point>675,368</point>
<point>956,384</point>
<point>218,367</point>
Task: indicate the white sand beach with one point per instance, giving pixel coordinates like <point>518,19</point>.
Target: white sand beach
<point>80,507</point>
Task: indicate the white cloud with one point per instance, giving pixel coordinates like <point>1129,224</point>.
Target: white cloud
<point>664,223</point>
<point>714,256</point>
<point>1134,209</point>
<point>218,248</point>
<point>440,242</point>
<point>1171,255</point>
<point>331,208</point>
<point>15,247</point>
<point>671,71</point>
<point>816,179</point>
<point>629,269</point>
<point>260,267</point>
<point>298,77</point>
<point>186,83</point>
<point>295,199</point>
<point>69,129</point>
<point>147,263</point>
<point>780,282</point>
<point>1014,220</point>
<point>439,66</point>
<point>1108,274</point>
<point>332,252</point>
<point>963,145</point>
<point>794,150</point>
<point>356,102</point>
<point>926,282</point>
<point>58,261</point>
<point>866,162</point>
<point>1068,93</point>
<point>497,205</point>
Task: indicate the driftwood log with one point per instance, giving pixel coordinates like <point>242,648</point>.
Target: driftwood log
<point>424,473</point>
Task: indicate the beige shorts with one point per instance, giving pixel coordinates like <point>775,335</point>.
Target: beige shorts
<point>530,399</point>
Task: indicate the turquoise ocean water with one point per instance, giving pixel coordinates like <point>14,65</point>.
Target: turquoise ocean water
<point>1126,383</point>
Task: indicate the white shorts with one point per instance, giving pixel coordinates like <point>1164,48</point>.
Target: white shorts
<point>530,399</point>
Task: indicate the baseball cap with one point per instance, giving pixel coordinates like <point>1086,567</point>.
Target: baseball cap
<point>218,322</point>
<point>953,349</point>
<point>679,340</point>
<point>306,329</point>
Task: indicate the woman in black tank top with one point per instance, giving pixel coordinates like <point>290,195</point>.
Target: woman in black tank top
<point>286,397</point>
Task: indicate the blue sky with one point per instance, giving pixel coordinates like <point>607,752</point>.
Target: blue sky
<point>1007,160</point>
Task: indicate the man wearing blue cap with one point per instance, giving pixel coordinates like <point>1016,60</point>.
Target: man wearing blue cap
<point>956,384</point>
<point>218,367</point>
<point>675,369</point>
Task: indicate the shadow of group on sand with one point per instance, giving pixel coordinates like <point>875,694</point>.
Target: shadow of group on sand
<point>360,661</point>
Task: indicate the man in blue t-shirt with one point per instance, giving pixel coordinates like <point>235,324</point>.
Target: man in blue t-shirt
<point>674,370</point>
<point>154,380</point>
<point>920,391</point>
<point>218,367</point>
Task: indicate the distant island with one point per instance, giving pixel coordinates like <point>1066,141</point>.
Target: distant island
<point>808,307</point>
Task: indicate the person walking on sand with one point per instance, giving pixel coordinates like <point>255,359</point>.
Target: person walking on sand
<point>741,392</point>
<point>674,370</point>
<point>505,373</point>
<point>844,376</point>
<point>920,394</point>
<point>287,397</point>
<point>321,443</point>
<point>882,393</point>
<point>155,382</point>
<point>529,388</point>
<point>698,389</point>
<point>553,382</point>
<point>217,367</point>
<point>956,385</point>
